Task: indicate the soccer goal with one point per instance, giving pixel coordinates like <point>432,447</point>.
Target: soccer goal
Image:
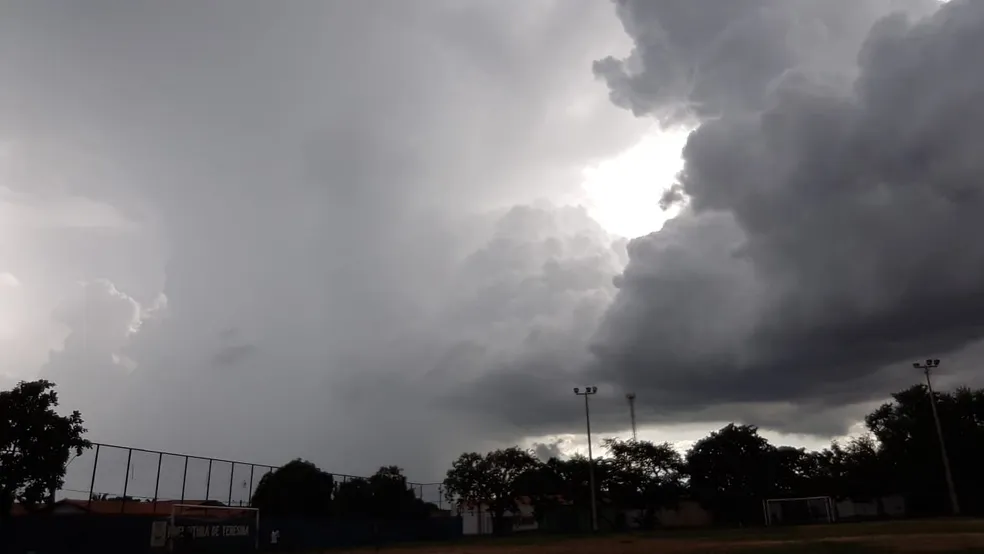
<point>798,511</point>
<point>203,528</point>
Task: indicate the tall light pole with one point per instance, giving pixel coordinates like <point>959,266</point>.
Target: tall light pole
<point>631,398</point>
<point>954,503</point>
<point>588,391</point>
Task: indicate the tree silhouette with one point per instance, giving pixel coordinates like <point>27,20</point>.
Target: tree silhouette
<point>644,475</point>
<point>490,480</point>
<point>298,488</point>
<point>385,495</point>
<point>392,496</point>
<point>732,470</point>
<point>909,448</point>
<point>353,499</point>
<point>544,485</point>
<point>35,443</point>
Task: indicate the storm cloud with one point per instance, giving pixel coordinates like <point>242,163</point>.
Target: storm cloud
<point>832,217</point>
<point>351,231</point>
<point>308,227</point>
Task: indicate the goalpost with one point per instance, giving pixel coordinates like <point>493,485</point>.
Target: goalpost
<point>198,528</point>
<point>798,511</point>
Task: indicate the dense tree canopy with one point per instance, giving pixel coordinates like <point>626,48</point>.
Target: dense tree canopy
<point>644,475</point>
<point>733,469</point>
<point>297,488</point>
<point>490,480</point>
<point>35,443</point>
<point>909,454</point>
<point>384,495</point>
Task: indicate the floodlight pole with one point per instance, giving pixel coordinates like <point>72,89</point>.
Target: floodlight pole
<point>631,398</point>
<point>588,391</point>
<point>954,503</point>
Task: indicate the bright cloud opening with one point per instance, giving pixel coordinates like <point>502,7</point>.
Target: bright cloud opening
<point>623,192</point>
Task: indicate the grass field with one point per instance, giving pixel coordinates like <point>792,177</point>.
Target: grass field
<point>965,535</point>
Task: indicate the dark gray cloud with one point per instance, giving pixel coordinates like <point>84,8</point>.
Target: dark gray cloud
<point>705,58</point>
<point>832,220</point>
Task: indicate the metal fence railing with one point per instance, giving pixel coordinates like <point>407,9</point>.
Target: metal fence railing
<point>128,474</point>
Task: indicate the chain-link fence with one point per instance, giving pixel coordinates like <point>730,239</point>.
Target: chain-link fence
<point>432,493</point>
<point>110,472</point>
<point>125,474</point>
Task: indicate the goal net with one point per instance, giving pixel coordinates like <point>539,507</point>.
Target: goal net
<point>199,528</point>
<point>798,511</point>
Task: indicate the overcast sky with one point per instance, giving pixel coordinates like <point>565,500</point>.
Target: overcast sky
<point>383,232</point>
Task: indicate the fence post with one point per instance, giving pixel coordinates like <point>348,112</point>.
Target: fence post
<point>92,481</point>
<point>232,473</point>
<point>126,478</point>
<point>157,482</point>
<point>252,467</point>
<point>184,479</point>
<point>208,479</point>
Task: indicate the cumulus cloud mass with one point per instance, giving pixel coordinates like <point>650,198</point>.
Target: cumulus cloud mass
<point>832,194</point>
<point>352,231</point>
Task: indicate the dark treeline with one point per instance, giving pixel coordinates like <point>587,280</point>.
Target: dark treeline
<point>732,470</point>
<point>300,489</point>
<point>302,507</point>
<point>728,472</point>
<point>36,443</point>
